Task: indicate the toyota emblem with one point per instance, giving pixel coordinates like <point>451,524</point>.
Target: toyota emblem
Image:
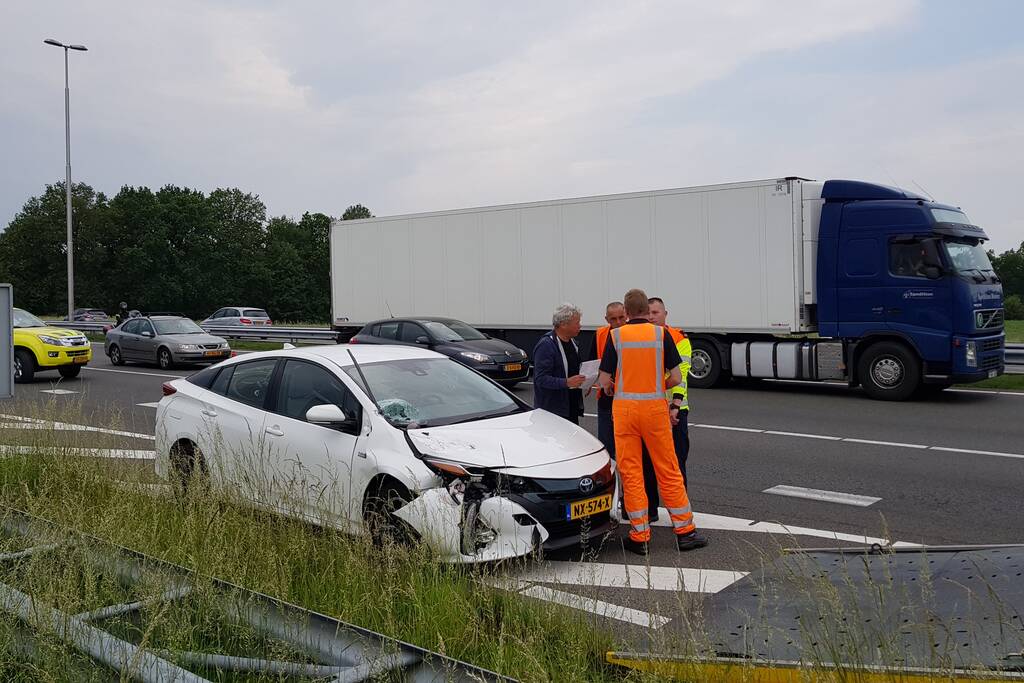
<point>586,484</point>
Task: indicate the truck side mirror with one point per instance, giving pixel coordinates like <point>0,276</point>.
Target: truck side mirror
<point>932,272</point>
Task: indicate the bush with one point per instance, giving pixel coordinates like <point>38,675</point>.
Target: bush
<point>1013,307</point>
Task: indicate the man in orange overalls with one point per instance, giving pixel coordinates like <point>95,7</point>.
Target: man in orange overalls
<point>634,364</point>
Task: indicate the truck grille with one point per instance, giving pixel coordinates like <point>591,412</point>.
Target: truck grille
<point>992,345</point>
<point>991,363</point>
<point>989,319</point>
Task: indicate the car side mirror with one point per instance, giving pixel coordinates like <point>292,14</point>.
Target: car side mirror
<point>147,333</point>
<point>932,272</point>
<point>423,339</point>
<point>327,415</point>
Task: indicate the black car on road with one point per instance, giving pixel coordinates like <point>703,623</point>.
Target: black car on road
<point>495,358</point>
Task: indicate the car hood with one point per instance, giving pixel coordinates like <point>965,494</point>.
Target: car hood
<point>198,338</point>
<point>530,439</point>
<point>490,347</point>
<point>58,332</point>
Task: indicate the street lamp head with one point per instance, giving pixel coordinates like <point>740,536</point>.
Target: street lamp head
<point>51,41</point>
<point>83,48</point>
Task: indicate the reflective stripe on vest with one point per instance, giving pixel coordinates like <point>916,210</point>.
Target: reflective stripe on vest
<point>658,345</point>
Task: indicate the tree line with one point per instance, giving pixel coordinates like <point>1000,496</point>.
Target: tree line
<point>178,249</point>
<point>175,249</point>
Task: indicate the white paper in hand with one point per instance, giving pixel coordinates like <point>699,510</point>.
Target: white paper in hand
<point>589,369</point>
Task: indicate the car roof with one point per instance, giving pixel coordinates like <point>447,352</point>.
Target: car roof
<point>259,308</point>
<point>338,354</point>
<point>418,319</point>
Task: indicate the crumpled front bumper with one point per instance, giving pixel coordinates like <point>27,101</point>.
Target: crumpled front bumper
<point>439,520</point>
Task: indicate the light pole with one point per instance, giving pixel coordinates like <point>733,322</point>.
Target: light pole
<point>67,182</point>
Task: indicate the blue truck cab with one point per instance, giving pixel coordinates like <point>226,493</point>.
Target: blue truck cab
<point>906,283</point>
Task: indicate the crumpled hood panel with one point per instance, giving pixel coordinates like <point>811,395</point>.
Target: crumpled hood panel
<point>528,439</point>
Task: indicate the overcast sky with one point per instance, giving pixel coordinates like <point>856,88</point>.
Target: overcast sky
<point>417,106</point>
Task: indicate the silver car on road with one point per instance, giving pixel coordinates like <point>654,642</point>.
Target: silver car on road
<point>165,340</point>
<point>238,315</point>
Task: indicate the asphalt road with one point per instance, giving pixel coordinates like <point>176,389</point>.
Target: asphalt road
<point>948,470</point>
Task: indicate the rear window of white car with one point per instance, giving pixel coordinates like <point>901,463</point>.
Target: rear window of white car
<point>254,313</point>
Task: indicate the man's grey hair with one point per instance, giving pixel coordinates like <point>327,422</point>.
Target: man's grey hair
<point>564,313</point>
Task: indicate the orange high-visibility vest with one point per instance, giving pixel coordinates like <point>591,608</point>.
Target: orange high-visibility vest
<point>641,366</point>
<point>601,339</point>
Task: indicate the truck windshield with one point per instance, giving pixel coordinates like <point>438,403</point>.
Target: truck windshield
<point>969,258</point>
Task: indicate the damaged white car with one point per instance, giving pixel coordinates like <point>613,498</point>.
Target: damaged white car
<point>389,440</point>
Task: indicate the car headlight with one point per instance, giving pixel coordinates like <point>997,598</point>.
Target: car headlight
<point>971,354</point>
<point>522,353</point>
<point>478,357</point>
<point>223,345</point>
<point>188,347</point>
<point>53,341</point>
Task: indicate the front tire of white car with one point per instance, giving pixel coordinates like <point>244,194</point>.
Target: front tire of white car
<point>384,497</point>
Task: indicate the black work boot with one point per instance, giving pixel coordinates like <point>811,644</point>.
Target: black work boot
<point>690,541</point>
<point>638,547</point>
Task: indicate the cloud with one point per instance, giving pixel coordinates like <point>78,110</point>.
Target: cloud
<point>408,106</point>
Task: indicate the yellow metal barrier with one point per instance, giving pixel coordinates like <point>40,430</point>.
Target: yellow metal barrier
<point>698,670</point>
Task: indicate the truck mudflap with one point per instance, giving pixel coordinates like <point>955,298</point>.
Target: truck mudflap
<point>494,528</point>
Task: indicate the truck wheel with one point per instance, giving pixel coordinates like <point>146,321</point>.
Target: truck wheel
<point>69,371</point>
<point>889,372</point>
<point>24,366</point>
<point>705,365</point>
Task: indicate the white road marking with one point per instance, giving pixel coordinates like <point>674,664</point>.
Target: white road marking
<point>631,576</point>
<point>707,521</point>
<point>58,392</point>
<point>822,495</point>
<point>594,606</point>
<point>886,443</point>
<point>869,442</point>
<point>598,607</point>
<point>154,404</point>
<point>79,452</point>
<point>974,452</point>
<point>730,429</point>
<point>133,372</point>
<point>62,426</point>
<point>804,436</point>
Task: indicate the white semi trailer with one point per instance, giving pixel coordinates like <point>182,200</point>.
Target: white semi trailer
<point>742,267</point>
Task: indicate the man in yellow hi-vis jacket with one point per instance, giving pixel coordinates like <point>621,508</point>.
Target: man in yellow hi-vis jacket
<point>677,395</point>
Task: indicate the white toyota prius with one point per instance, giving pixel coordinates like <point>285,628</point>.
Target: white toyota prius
<point>390,441</point>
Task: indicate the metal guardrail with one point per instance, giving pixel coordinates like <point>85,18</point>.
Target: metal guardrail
<point>1014,354</point>
<point>273,333</point>
<point>278,333</point>
<point>327,649</point>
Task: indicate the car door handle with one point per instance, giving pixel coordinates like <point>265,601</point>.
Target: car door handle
<point>275,431</point>
<point>209,413</point>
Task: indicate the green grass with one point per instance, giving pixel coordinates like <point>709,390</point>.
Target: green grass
<point>1004,382</point>
<point>401,592</point>
<point>1015,331</point>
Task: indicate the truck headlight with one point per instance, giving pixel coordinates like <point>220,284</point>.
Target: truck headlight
<point>478,357</point>
<point>52,341</point>
<point>971,354</point>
